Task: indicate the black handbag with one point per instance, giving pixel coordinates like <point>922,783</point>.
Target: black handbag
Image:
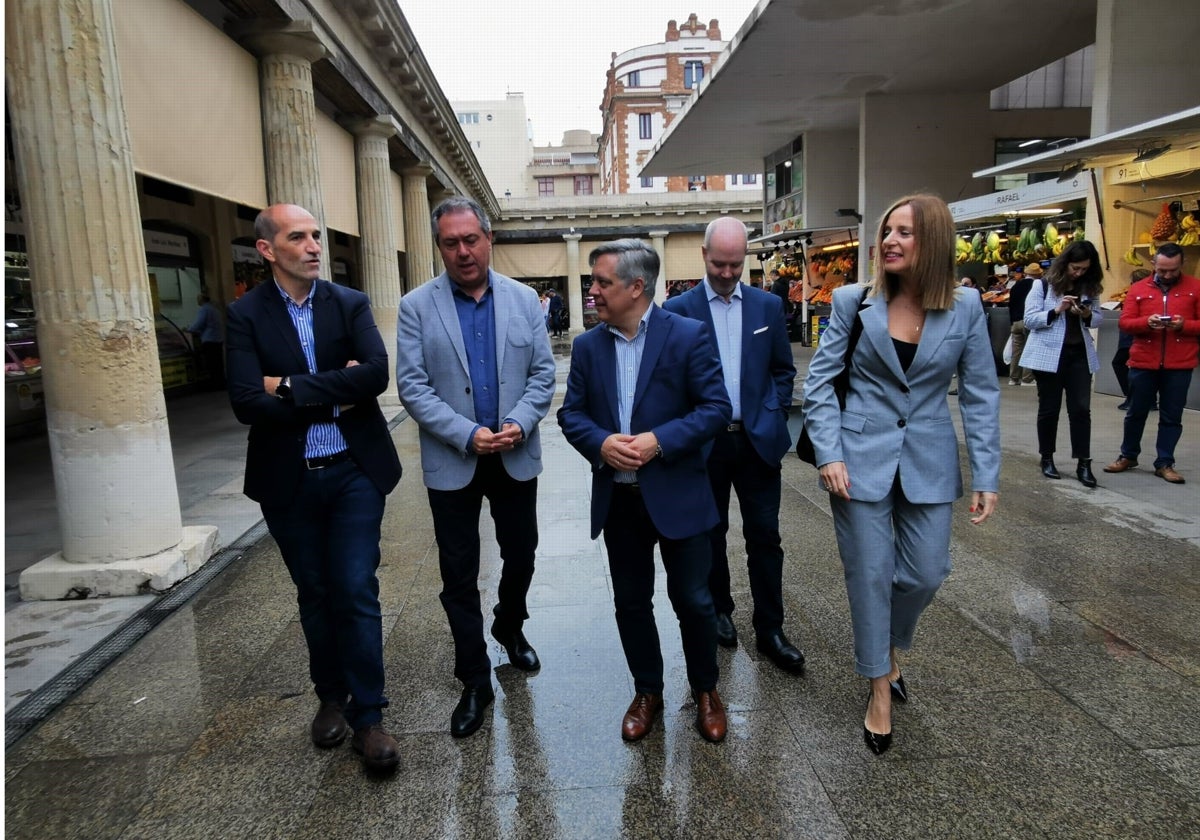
<point>841,384</point>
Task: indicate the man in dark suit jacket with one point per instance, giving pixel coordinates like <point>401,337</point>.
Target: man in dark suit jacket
<point>305,365</point>
<point>756,357</point>
<point>644,395</point>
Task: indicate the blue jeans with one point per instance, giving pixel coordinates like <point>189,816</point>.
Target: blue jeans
<point>734,464</point>
<point>895,555</point>
<point>629,537</point>
<point>1170,387</point>
<point>329,538</point>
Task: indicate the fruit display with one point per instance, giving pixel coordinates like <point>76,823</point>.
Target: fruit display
<point>1165,226</point>
<point>791,272</point>
<point>1189,230</point>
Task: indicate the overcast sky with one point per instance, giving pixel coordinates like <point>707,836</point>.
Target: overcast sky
<point>555,53</point>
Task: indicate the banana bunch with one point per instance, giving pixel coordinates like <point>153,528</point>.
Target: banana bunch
<point>1189,230</point>
<point>977,247</point>
<point>991,248</point>
<point>1077,234</point>
<point>1050,235</point>
<point>1131,258</point>
<point>962,250</point>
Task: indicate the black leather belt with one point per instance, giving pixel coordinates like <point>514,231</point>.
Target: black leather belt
<point>628,488</point>
<point>735,426</point>
<point>327,460</point>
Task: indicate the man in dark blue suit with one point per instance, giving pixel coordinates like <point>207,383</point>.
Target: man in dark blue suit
<point>644,395</point>
<point>305,365</point>
<point>749,327</point>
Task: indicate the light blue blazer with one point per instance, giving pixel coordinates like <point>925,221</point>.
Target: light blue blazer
<point>434,381</point>
<point>897,422</point>
<point>1045,342</point>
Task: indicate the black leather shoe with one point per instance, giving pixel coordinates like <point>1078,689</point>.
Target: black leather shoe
<point>782,652</point>
<point>876,743</point>
<point>1048,468</point>
<point>329,727</point>
<point>520,653</point>
<point>468,714</point>
<point>726,632</point>
<point>1084,473</point>
<point>899,690</point>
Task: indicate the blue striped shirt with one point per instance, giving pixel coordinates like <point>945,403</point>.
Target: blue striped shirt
<point>727,324</point>
<point>323,438</point>
<point>629,364</point>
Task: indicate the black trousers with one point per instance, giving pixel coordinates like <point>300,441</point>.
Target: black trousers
<point>1120,366</point>
<point>1075,380</point>
<point>456,526</point>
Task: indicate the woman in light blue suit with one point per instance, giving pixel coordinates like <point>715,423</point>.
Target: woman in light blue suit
<point>1059,313</point>
<point>889,459</point>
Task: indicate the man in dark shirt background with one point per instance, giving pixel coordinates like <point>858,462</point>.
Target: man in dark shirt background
<point>1016,313</point>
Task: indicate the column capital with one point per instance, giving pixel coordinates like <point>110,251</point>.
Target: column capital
<point>293,37</point>
<point>572,237</point>
<point>659,234</point>
<point>422,170</point>
<point>377,126</point>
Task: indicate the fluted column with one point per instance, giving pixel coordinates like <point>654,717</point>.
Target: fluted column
<point>658,238</point>
<point>418,236</point>
<point>574,283</point>
<point>110,446</point>
<point>377,226</point>
<point>285,57</point>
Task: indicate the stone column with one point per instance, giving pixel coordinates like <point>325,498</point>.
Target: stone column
<point>418,236</point>
<point>285,57</point>
<point>574,283</point>
<point>110,446</point>
<point>658,238</point>
<point>377,225</point>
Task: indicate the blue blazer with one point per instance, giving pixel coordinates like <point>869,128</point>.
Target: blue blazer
<point>768,373</point>
<point>898,422</point>
<point>1044,344</point>
<point>680,396</point>
<point>434,379</point>
<point>262,341</point>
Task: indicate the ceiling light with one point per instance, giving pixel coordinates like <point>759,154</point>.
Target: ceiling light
<point>1028,143</point>
<point>1048,211</point>
<point>787,164</point>
<point>1146,153</point>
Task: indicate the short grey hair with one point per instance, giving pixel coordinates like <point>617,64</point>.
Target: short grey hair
<point>634,259</point>
<point>460,204</point>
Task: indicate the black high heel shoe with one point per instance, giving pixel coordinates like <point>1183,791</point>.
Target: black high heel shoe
<point>876,743</point>
<point>899,691</point>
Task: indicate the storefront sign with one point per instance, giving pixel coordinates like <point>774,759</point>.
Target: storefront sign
<point>1021,198</point>
<point>245,254</point>
<point>168,244</point>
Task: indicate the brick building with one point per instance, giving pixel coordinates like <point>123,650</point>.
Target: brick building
<point>646,88</point>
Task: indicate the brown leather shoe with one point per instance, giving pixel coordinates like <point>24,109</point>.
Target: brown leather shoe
<point>710,716</point>
<point>379,750</point>
<point>639,718</point>
<point>1120,465</point>
<point>1169,474</point>
<point>329,727</point>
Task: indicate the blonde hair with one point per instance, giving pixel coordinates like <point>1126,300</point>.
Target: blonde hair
<point>934,266</point>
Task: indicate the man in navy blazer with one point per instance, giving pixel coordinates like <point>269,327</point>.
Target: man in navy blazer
<point>475,370</point>
<point>644,396</point>
<point>305,365</point>
<point>750,330</point>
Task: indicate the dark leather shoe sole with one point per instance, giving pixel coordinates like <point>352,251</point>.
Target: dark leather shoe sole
<point>376,764</point>
<point>785,656</point>
<point>521,654</point>
<point>468,714</point>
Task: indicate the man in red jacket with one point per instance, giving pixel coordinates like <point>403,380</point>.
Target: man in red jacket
<point>1162,313</point>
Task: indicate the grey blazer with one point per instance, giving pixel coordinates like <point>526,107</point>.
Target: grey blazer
<point>434,383</point>
<point>897,422</point>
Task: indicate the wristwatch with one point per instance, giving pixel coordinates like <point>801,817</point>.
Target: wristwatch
<point>284,389</point>
<point>658,452</point>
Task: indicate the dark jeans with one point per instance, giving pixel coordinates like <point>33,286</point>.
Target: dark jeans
<point>214,362</point>
<point>513,506</point>
<point>329,538</point>
<point>1075,380</point>
<point>629,537</point>
<point>735,464</point>
<point>1120,367</point>
<point>1170,387</point>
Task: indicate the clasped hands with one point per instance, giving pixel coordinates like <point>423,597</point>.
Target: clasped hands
<point>628,453</point>
<point>487,442</point>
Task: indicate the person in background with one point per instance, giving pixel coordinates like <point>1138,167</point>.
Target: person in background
<point>1163,314</point>
<point>544,301</point>
<point>1060,311</point>
<point>889,460</point>
<point>475,370</point>
<point>1016,314</point>
<point>644,399</point>
<point>747,456</point>
<point>1120,360</point>
<point>779,288</point>
<point>556,313</point>
<point>206,327</point>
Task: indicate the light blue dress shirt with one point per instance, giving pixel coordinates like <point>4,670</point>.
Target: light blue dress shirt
<point>727,324</point>
<point>323,438</point>
<point>629,364</point>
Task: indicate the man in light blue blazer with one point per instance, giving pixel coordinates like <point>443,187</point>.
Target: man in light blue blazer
<point>756,360</point>
<point>475,370</point>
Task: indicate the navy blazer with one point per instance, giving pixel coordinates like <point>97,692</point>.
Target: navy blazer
<point>768,373</point>
<point>680,396</point>
<point>262,341</point>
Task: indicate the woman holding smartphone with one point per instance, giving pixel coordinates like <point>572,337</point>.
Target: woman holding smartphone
<point>1060,311</point>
